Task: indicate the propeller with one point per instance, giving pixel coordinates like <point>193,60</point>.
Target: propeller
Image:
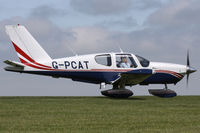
<point>189,69</point>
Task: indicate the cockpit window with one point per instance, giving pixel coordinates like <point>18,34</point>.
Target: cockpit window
<point>125,61</point>
<point>103,59</point>
<point>144,62</point>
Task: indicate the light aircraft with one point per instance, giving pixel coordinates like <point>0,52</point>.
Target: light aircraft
<point>117,69</point>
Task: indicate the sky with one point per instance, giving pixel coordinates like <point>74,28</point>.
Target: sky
<point>159,30</point>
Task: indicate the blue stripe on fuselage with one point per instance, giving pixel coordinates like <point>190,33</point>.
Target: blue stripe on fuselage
<point>108,76</point>
<point>85,76</point>
<point>90,76</point>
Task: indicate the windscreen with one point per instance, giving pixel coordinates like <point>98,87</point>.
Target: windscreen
<point>144,62</point>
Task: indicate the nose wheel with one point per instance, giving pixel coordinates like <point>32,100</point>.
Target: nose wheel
<point>164,93</point>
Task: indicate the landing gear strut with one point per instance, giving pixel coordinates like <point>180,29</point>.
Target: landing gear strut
<point>165,87</point>
<point>164,93</point>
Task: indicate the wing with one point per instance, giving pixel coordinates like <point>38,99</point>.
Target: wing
<point>133,77</point>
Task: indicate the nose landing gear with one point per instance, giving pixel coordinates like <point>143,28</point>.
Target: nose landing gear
<point>164,93</point>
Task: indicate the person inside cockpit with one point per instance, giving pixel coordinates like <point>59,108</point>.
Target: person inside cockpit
<point>124,63</point>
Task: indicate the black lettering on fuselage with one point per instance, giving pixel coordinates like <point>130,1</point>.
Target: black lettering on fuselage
<point>80,66</point>
<point>86,64</point>
<point>66,64</point>
<point>55,65</point>
<point>73,64</point>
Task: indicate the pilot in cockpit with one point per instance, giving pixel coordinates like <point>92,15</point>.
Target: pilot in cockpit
<point>124,62</point>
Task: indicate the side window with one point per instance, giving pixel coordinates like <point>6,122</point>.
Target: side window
<point>125,61</point>
<point>103,59</point>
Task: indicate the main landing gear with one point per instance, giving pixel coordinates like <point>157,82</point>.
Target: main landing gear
<point>164,93</point>
<point>118,91</point>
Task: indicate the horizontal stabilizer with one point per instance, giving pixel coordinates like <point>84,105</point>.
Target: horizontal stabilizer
<point>15,64</point>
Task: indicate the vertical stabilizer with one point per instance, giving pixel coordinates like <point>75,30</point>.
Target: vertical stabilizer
<point>27,48</point>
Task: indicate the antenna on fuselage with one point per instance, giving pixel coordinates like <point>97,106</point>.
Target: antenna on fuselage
<point>72,51</point>
<point>121,51</point>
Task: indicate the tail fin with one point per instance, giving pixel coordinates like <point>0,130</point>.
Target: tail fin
<point>27,48</point>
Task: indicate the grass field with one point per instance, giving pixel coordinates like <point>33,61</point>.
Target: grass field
<point>99,114</point>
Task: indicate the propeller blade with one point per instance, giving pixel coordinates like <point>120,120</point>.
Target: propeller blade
<point>188,65</point>
<point>188,59</point>
<point>188,75</point>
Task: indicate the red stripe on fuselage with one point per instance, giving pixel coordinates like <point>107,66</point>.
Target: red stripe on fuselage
<point>41,65</point>
<point>92,70</point>
<point>171,72</point>
<point>22,53</point>
<point>31,65</point>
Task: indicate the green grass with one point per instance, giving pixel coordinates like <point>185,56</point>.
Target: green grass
<point>99,114</point>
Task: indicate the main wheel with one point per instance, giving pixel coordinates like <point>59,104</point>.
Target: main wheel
<point>117,93</point>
